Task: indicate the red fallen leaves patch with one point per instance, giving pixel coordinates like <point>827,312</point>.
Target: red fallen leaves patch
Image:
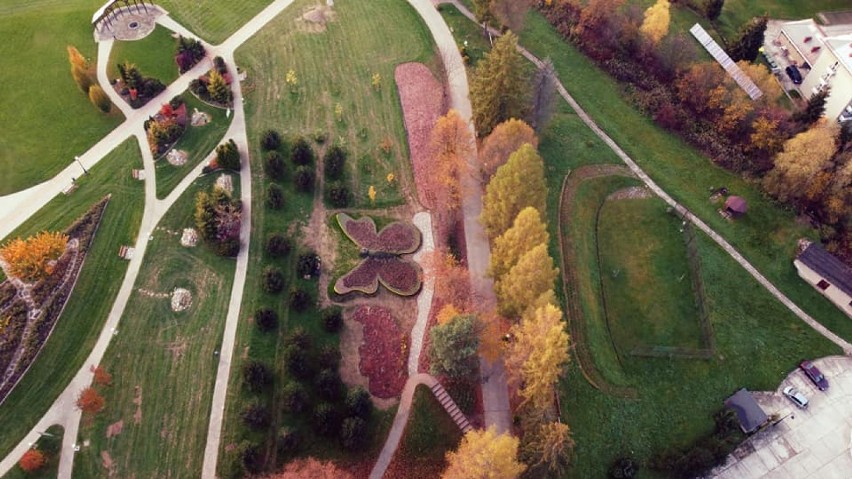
<point>422,99</point>
<point>383,353</point>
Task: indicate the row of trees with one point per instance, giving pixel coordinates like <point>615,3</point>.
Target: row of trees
<point>83,76</point>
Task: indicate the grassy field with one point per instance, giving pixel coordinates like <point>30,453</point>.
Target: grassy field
<point>154,55</point>
<point>214,20</point>
<point>758,342</point>
<point>50,446</point>
<point>99,281</point>
<point>46,120</point>
<point>645,273</point>
<point>736,13</point>
<point>353,48</point>
<point>767,235</point>
<point>429,435</point>
<point>163,360</point>
<point>197,141</point>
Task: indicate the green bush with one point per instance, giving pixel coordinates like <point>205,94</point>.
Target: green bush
<point>228,156</point>
<point>353,433</point>
<point>266,319</point>
<point>294,398</point>
<point>256,416</point>
<point>274,166</point>
<point>328,357</point>
<point>256,376</point>
<point>274,197</point>
<point>270,140</point>
<point>334,162</point>
<point>329,386</point>
<point>338,194</point>
<point>358,403</point>
<point>301,153</point>
<point>277,245</point>
<point>326,420</point>
<point>308,265</point>
<point>304,179</point>
<point>332,320</point>
<point>299,300</point>
<point>273,280</point>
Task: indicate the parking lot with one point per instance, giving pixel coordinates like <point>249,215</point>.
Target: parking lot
<point>812,443</point>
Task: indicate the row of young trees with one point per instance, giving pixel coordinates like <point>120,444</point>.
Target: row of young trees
<point>83,76</point>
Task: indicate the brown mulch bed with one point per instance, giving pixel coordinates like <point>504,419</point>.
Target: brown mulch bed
<point>423,101</point>
<point>384,351</point>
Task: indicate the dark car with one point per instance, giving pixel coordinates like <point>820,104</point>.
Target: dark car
<point>794,74</point>
<point>814,375</point>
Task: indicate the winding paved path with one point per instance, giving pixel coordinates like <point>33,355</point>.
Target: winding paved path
<point>18,207</point>
<point>739,258</point>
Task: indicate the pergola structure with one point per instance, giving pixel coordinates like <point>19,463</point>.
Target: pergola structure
<point>112,10</point>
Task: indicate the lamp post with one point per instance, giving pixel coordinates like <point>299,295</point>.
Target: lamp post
<point>77,158</point>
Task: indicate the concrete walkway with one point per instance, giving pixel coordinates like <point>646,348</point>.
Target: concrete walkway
<point>19,207</point>
<point>423,222</point>
<point>739,258</point>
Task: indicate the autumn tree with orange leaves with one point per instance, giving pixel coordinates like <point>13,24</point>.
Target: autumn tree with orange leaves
<point>450,145</point>
<point>504,140</point>
<point>311,468</point>
<point>32,461</point>
<point>33,259</point>
<point>90,401</point>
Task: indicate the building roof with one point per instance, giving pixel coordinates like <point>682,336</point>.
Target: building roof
<point>748,411</point>
<point>736,204</point>
<point>828,267</point>
<point>811,39</point>
<point>841,45</point>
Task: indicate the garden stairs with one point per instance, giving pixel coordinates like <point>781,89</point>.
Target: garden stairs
<point>450,406</point>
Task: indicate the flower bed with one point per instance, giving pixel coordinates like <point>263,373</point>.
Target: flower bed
<point>423,101</point>
<point>395,238</point>
<point>50,294</point>
<point>383,352</point>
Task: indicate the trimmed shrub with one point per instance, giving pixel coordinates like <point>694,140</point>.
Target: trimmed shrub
<point>332,320</point>
<point>251,457</point>
<point>335,162</point>
<point>277,245</point>
<point>358,403</point>
<point>308,264</point>
<point>338,194</point>
<point>266,319</point>
<point>328,357</point>
<point>326,421</point>
<point>353,433</point>
<point>256,416</point>
<point>299,338</point>
<point>228,248</point>
<point>274,197</point>
<point>299,299</point>
<point>228,156</point>
<point>301,152</point>
<point>304,179</point>
<point>219,65</point>
<point>273,280</point>
<point>270,140</point>
<point>329,386</point>
<point>274,166</point>
<point>256,376</point>
<point>288,441</point>
<point>298,363</point>
<point>294,398</point>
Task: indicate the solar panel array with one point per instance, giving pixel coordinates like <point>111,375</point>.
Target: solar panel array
<point>729,65</point>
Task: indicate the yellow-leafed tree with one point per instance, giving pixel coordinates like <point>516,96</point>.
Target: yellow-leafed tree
<point>450,145</point>
<point>531,277</point>
<point>536,357</point>
<point>526,232</point>
<point>516,185</point>
<point>484,455</point>
<point>504,140</point>
<point>803,157</point>
<point>32,259</point>
<point>656,23</point>
<point>547,449</point>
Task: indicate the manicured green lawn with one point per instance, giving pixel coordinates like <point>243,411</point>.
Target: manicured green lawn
<point>197,141</point>
<point>163,359</point>
<point>154,55</point>
<point>736,13</point>
<point>757,343</point>
<point>214,20</point>
<point>99,281</point>
<point>50,446</point>
<point>45,119</point>
<point>645,273</point>
<point>353,48</point>
<point>766,236</point>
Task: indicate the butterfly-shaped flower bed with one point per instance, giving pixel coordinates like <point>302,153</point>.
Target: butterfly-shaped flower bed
<point>382,262</point>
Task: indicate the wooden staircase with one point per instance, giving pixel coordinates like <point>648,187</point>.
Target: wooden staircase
<point>451,407</point>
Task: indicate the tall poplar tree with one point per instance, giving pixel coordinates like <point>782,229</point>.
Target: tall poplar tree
<point>498,90</point>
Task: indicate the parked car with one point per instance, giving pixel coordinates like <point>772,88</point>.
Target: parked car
<point>794,74</point>
<point>796,396</point>
<point>814,374</point>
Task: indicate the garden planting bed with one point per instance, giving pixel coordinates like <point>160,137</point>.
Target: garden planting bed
<point>23,339</point>
<point>384,351</point>
<point>381,263</point>
<point>423,101</point>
